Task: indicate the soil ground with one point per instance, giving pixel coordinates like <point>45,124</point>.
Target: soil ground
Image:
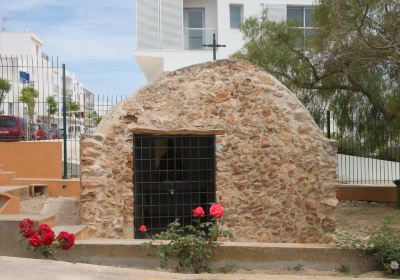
<point>30,269</point>
<point>359,218</point>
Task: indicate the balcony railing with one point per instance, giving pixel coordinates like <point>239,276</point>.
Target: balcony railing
<point>195,38</point>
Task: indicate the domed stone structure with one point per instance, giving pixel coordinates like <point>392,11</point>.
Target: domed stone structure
<point>221,130</point>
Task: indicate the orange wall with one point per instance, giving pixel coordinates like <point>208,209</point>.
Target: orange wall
<point>60,187</point>
<point>32,159</point>
<point>11,205</point>
<point>386,194</point>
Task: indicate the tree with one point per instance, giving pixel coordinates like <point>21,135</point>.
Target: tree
<point>350,62</point>
<point>28,97</point>
<point>73,107</point>
<point>4,89</point>
<point>52,106</point>
<point>94,118</point>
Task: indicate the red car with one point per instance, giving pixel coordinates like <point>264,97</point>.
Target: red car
<point>55,133</point>
<point>40,131</point>
<point>13,128</point>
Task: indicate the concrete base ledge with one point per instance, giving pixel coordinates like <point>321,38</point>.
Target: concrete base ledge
<point>131,253</point>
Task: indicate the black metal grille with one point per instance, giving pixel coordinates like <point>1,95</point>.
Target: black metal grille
<point>173,175</point>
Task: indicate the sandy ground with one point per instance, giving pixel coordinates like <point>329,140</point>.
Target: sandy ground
<point>24,269</point>
<point>360,218</point>
<point>310,272</point>
<point>32,205</point>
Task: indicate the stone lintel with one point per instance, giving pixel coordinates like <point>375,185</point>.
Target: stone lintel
<point>183,131</point>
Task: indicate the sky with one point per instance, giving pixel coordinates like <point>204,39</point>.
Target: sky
<point>94,38</point>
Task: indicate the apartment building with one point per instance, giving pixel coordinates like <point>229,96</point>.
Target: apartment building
<point>20,54</point>
<point>171,33</point>
<point>23,64</point>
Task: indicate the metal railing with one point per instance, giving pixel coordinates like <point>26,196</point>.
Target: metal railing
<point>41,106</point>
<point>195,38</point>
<point>368,150</point>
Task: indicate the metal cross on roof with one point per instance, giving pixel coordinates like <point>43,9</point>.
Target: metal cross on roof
<point>214,45</point>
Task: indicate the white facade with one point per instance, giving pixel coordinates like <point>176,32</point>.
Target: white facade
<point>170,32</point>
<point>20,43</point>
<point>22,52</point>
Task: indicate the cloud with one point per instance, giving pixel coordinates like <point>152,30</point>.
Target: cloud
<point>84,34</point>
<point>78,30</point>
<point>79,42</point>
<point>19,5</point>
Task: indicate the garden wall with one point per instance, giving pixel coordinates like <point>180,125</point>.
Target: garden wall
<point>32,159</point>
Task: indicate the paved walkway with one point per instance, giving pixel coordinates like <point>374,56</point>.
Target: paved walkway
<point>30,269</point>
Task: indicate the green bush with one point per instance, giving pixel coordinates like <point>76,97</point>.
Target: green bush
<point>384,246</point>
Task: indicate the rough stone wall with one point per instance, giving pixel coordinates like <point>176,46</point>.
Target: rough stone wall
<point>275,169</point>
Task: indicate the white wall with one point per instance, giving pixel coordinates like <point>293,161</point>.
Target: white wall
<point>233,37</point>
<point>18,43</point>
<point>45,79</point>
<point>366,170</point>
<point>155,63</point>
<point>217,14</point>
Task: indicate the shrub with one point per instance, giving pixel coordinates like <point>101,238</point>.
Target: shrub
<point>43,240</point>
<point>344,269</point>
<point>384,246</point>
<point>191,245</point>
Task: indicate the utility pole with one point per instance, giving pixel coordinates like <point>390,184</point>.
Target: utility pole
<point>215,46</point>
<point>3,27</point>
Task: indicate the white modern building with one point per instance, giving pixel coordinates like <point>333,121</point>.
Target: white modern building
<point>23,64</point>
<point>19,57</point>
<point>171,33</point>
<point>20,44</point>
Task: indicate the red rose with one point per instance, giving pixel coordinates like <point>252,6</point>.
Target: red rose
<point>28,233</point>
<point>198,212</point>
<point>217,210</point>
<point>35,241</point>
<point>26,224</point>
<point>43,228</point>
<point>66,239</point>
<point>48,238</point>
<point>143,228</point>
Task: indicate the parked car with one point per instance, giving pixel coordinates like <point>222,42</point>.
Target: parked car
<point>40,131</point>
<point>55,133</point>
<point>13,128</point>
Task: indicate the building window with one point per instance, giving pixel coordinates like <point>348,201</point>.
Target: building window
<point>236,15</point>
<point>10,108</point>
<point>24,77</point>
<point>301,18</point>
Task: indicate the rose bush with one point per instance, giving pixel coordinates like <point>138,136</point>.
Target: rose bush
<point>191,245</point>
<point>43,240</point>
<point>143,228</point>
<point>217,211</point>
<point>198,212</point>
